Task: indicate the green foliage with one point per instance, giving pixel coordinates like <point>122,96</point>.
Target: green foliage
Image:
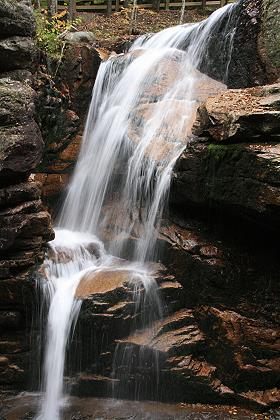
<point>50,31</point>
<point>217,150</point>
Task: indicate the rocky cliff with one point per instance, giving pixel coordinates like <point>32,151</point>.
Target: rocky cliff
<point>253,59</point>
<point>25,225</point>
<point>64,92</point>
<point>243,47</point>
<point>218,338</point>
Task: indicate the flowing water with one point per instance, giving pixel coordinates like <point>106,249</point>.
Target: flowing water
<point>68,259</point>
<point>140,118</point>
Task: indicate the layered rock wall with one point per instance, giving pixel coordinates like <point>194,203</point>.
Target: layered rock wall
<point>25,225</point>
<point>218,339</point>
<point>64,97</point>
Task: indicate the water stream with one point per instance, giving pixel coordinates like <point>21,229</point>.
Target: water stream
<point>140,118</point>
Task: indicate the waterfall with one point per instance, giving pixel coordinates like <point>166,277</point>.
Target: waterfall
<point>140,118</point>
<point>69,259</point>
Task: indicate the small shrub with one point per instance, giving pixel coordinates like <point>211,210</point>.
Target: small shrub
<point>50,31</point>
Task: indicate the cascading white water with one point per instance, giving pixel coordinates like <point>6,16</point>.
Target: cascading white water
<point>142,110</point>
<point>68,260</point>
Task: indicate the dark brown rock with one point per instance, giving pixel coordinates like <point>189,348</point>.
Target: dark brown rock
<point>243,178</point>
<point>19,193</point>
<point>17,53</point>
<point>238,64</point>
<point>238,115</point>
<point>68,97</point>
<point>25,225</point>
<point>228,266</point>
<point>21,151</point>
<point>246,352</point>
<point>78,72</point>
<point>13,369</point>
<point>21,140</point>
<point>233,161</point>
<point>10,319</point>
<point>25,231</point>
<point>253,57</point>
<point>16,18</point>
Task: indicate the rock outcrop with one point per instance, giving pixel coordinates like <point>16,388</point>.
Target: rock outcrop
<point>253,59</point>
<point>217,340</point>
<point>234,158</point>
<point>21,140</point>
<point>64,99</point>
<point>25,225</point>
<point>251,55</point>
<point>216,337</point>
<point>17,45</point>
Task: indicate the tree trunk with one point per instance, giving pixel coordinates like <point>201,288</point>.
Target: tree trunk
<point>72,10</point>
<point>182,11</point>
<point>133,16</point>
<point>109,7</point>
<point>52,7</point>
<point>203,4</point>
<point>156,5</point>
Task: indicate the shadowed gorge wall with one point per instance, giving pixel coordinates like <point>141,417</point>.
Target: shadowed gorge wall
<point>25,225</point>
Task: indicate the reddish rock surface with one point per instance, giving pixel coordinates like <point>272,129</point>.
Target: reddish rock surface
<point>217,342</point>
<point>63,105</point>
<point>233,161</point>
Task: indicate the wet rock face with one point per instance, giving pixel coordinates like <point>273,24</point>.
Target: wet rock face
<point>234,159</point>
<point>246,66</point>
<point>270,38</point>
<point>218,338</point>
<point>58,124</point>
<point>64,101</point>
<point>242,178</point>
<point>25,225</point>
<point>79,69</point>
<point>251,56</point>
<point>236,62</point>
